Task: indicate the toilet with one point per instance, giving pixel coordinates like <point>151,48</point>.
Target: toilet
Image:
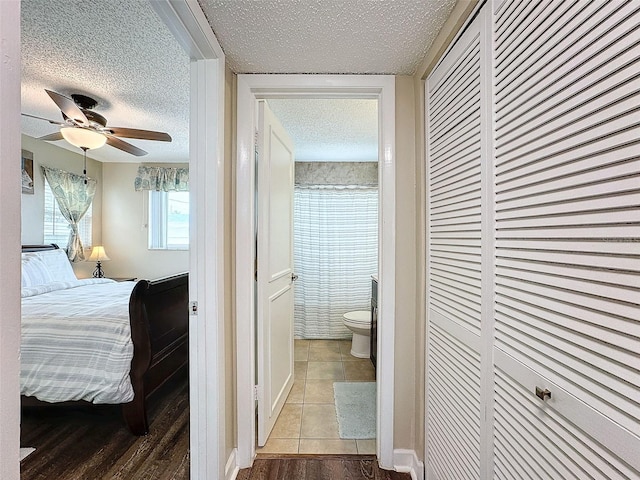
<point>359,322</point>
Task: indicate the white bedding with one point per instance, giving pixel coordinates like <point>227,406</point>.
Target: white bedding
<point>76,341</point>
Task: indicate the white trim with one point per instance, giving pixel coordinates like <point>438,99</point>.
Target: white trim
<point>10,240</point>
<point>186,20</point>
<point>206,277</point>
<point>206,232</point>
<point>406,461</point>
<point>231,468</point>
<point>251,87</point>
<point>488,252</point>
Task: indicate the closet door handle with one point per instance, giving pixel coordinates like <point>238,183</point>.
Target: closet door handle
<point>294,277</point>
<point>543,394</point>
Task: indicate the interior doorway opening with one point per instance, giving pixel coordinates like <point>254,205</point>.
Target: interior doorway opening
<point>330,406</point>
<point>255,87</point>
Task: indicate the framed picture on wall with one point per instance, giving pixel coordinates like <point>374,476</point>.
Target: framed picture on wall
<point>27,172</point>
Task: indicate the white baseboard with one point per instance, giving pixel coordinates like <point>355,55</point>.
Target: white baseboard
<point>407,461</point>
<point>231,468</point>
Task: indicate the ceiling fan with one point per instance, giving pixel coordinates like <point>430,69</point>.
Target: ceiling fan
<point>86,129</point>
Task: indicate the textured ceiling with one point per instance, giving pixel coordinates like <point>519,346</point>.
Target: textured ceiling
<point>330,129</point>
<point>326,36</point>
<point>118,52</point>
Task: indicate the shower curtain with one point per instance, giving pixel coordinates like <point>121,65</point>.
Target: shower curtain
<point>335,254</point>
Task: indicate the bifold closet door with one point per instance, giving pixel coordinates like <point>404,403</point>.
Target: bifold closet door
<point>454,419</point>
<point>567,277</point>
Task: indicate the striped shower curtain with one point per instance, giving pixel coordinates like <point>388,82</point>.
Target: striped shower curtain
<point>335,254</point>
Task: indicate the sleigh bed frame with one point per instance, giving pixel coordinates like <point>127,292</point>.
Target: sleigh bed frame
<point>158,314</point>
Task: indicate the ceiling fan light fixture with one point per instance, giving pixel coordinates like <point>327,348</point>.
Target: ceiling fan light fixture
<point>83,137</point>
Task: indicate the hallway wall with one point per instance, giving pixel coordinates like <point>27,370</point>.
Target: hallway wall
<point>405,426</point>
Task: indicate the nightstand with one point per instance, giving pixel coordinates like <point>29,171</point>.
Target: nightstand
<point>123,279</point>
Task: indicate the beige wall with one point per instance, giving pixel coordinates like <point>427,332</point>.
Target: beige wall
<point>456,20</point>
<point>32,210</point>
<point>229,270</point>
<point>405,425</point>
<point>124,229</point>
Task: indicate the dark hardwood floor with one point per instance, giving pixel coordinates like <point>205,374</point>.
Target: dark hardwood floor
<point>94,443</point>
<point>318,467</point>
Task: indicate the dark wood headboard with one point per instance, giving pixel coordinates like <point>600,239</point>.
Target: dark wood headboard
<point>39,248</point>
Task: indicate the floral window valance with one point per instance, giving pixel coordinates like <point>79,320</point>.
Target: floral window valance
<point>162,179</point>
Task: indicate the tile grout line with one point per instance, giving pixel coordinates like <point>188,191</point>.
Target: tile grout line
<point>318,357</point>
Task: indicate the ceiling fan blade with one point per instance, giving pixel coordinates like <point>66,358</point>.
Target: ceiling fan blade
<point>125,147</point>
<point>52,137</point>
<point>69,108</point>
<point>141,134</point>
<point>45,119</point>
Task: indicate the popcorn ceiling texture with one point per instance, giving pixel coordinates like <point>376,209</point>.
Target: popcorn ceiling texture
<point>120,53</point>
<point>330,129</point>
<point>116,51</point>
<point>326,36</point>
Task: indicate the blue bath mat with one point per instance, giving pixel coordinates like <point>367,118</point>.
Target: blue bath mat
<point>356,409</point>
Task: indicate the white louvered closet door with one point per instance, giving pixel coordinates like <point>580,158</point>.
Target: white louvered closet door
<point>455,152</point>
<point>567,279</point>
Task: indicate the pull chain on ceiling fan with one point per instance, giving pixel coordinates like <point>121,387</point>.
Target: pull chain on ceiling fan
<point>84,170</point>
<point>86,129</point>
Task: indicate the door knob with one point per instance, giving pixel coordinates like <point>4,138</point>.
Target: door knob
<point>294,277</point>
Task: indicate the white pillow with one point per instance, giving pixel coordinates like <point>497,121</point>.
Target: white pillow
<point>58,264</point>
<point>34,272</point>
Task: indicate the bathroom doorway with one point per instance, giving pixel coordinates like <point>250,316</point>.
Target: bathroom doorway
<point>250,88</point>
<point>331,407</point>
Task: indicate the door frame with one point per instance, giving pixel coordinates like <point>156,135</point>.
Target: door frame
<point>10,240</point>
<point>252,87</point>
<point>207,421</point>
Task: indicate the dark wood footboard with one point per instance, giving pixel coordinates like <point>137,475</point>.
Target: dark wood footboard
<point>160,332</point>
<point>159,317</point>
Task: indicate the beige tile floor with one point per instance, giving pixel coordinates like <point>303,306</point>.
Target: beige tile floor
<point>308,422</point>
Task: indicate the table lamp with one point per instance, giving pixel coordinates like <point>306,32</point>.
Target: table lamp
<point>98,255</point>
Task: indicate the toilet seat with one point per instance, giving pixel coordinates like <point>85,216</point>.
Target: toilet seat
<point>358,317</point>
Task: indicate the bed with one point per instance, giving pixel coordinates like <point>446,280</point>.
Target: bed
<point>97,340</point>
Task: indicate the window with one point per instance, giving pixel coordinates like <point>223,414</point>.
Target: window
<point>56,227</point>
<point>169,220</point>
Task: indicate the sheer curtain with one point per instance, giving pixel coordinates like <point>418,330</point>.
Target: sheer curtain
<point>335,254</point>
<point>74,198</point>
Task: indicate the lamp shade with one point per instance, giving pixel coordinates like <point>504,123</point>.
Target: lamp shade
<point>83,137</point>
<point>98,254</point>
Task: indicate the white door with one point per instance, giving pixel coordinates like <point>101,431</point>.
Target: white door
<point>274,269</point>
<point>456,217</point>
